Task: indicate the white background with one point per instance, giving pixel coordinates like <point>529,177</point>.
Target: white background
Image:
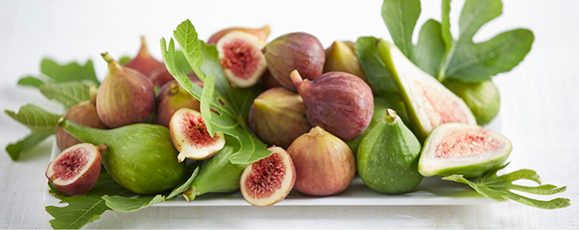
<point>539,102</point>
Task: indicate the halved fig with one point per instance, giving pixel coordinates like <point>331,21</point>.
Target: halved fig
<point>262,33</point>
<point>76,170</point>
<point>190,137</point>
<point>428,102</point>
<point>456,148</point>
<point>269,180</point>
<point>241,58</point>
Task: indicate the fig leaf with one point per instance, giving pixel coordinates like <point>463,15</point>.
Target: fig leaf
<point>223,107</point>
<point>35,118</point>
<point>499,187</point>
<point>67,93</point>
<point>69,72</point>
<point>16,150</point>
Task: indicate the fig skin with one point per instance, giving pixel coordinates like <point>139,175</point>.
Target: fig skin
<point>171,98</point>
<point>262,33</point>
<point>482,98</point>
<point>241,58</point>
<point>277,116</point>
<point>83,113</point>
<point>147,65</point>
<point>190,137</point>
<point>252,179</point>
<point>83,183</point>
<point>324,164</point>
<point>268,81</point>
<point>338,102</point>
<point>289,52</point>
<point>342,57</point>
<point>125,96</point>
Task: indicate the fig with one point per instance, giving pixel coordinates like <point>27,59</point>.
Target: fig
<point>324,163</point>
<point>172,96</point>
<point>277,116</point>
<point>140,157</point>
<point>147,65</point>
<point>428,102</point>
<point>83,113</point>
<point>388,156</point>
<point>76,170</point>
<point>125,96</point>
<point>341,57</point>
<point>268,81</point>
<point>380,106</point>
<point>289,52</point>
<point>338,102</point>
<point>190,137</point>
<point>456,148</point>
<point>241,58</point>
<point>262,33</point>
<point>269,180</point>
<point>482,98</point>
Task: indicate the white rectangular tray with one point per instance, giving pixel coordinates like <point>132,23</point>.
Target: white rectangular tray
<point>432,191</point>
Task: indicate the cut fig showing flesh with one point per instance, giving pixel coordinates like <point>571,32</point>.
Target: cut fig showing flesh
<point>428,102</point>
<point>269,180</point>
<point>241,58</point>
<point>456,148</point>
<point>190,137</point>
<point>76,170</point>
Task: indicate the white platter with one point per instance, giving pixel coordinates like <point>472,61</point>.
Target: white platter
<point>432,191</point>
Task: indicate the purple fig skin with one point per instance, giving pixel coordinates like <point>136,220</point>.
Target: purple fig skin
<point>171,98</point>
<point>338,102</point>
<point>268,81</point>
<point>125,96</point>
<point>84,114</point>
<point>149,66</point>
<point>300,51</point>
<point>277,116</point>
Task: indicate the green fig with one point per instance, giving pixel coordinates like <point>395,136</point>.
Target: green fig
<point>388,156</point>
<point>140,157</point>
<point>125,96</point>
<point>428,102</point>
<point>456,148</point>
<point>342,58</point>
<point>482,98</point>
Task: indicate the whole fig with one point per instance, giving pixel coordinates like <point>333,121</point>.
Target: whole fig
<point>277,116</point>
<point>482,98</point>
<point>300,51</point>
<point>340,103</point>
<point>342,57</point>
<point>125,96</point>
<point>149,66</point>
<point>324,163</point>
<point>171,98</point>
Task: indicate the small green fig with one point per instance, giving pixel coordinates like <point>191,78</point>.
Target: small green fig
<point>341,57</point>
<point>482,98</point>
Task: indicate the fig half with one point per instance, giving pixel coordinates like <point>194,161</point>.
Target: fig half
<point>269,180</point>
<point>190,137</point>
<point>241,58</point>
<point>456,148</point>
<point>76,170</point>
<point>262,33</point>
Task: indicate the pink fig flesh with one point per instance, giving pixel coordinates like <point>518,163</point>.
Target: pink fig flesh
<point>191,138</point>
<point>241,58</point>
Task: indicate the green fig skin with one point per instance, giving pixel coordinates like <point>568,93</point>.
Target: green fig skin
<point>482,98</point>
<point>217,174</point>
<point>141,157</point>
<point>342,57</point>
<point>83,113</point>
<point>388,157</point>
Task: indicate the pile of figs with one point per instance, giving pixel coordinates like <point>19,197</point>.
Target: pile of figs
<point>319,115</point>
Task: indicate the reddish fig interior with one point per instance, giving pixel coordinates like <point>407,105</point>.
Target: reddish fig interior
<point>440,110</point>
<point>71,164</point>
<point>266,177</point>
<point>466,143</point>
<point>240,58</point>
<point>195,131</point>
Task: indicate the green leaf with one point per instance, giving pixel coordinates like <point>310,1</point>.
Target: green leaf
<point>30,81</point>
<point>478,62</point>
<point>429,51</point>
<point>500,188</point>
<point>124,60</point>
<point>15,150</point>
<point>35,118</point>
<point>400,17</point>
<point>228,116</point>
<point>70,72</point>
<point>67,93</point>
<point>445,25</point>
<point>181,62</point>
<point>379,77</point>
<point>84,209</point>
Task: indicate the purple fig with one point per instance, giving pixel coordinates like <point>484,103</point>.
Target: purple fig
<point>125,96</point>
<point>300,51</point>
<point>340,103</point>
<point>149,66</point>
<point>171,98</point>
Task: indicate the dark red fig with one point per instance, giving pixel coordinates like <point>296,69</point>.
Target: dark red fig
<point>262,33</point>
<point>171,98</point>
<point>76,170</point>
<point>340,103</point>
<point>83,113</point>
<point>190,137</point>
<point>241,58</point>
<point>125,96</point>
<point>268,81</point>
<point>269,180</point>
<point>300,51</point>
<point>149,66</point>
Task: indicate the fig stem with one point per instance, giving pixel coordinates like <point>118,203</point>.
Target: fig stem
<point>296,78</point>
<point>144,51</point>
<point>108,58</point>
<point>390,116</point>
<point>173,88</point>
<point>190,194</point>
<point>62,123</point>
<point>93,94</point>
<point>103,147</point>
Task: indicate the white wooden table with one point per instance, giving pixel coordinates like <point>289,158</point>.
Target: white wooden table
<point>539,103</point>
